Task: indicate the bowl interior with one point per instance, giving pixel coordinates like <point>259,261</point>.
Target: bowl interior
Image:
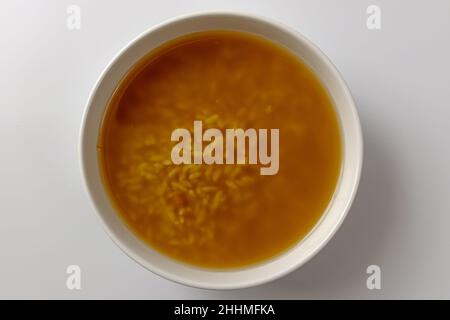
<point>253,275</point>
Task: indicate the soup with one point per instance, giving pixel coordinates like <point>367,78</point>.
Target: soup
<point>220,215</point>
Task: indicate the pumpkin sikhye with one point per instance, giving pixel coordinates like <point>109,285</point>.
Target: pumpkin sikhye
<point>219,215</point>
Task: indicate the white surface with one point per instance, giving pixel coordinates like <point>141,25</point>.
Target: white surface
<point>399,77</point>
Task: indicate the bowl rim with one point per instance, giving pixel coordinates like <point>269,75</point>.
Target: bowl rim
<point>245,282</point>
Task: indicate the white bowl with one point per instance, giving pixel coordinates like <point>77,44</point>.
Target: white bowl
<point>252,275</point>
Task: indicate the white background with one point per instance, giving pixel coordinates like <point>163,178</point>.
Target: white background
<point>399,76</point>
